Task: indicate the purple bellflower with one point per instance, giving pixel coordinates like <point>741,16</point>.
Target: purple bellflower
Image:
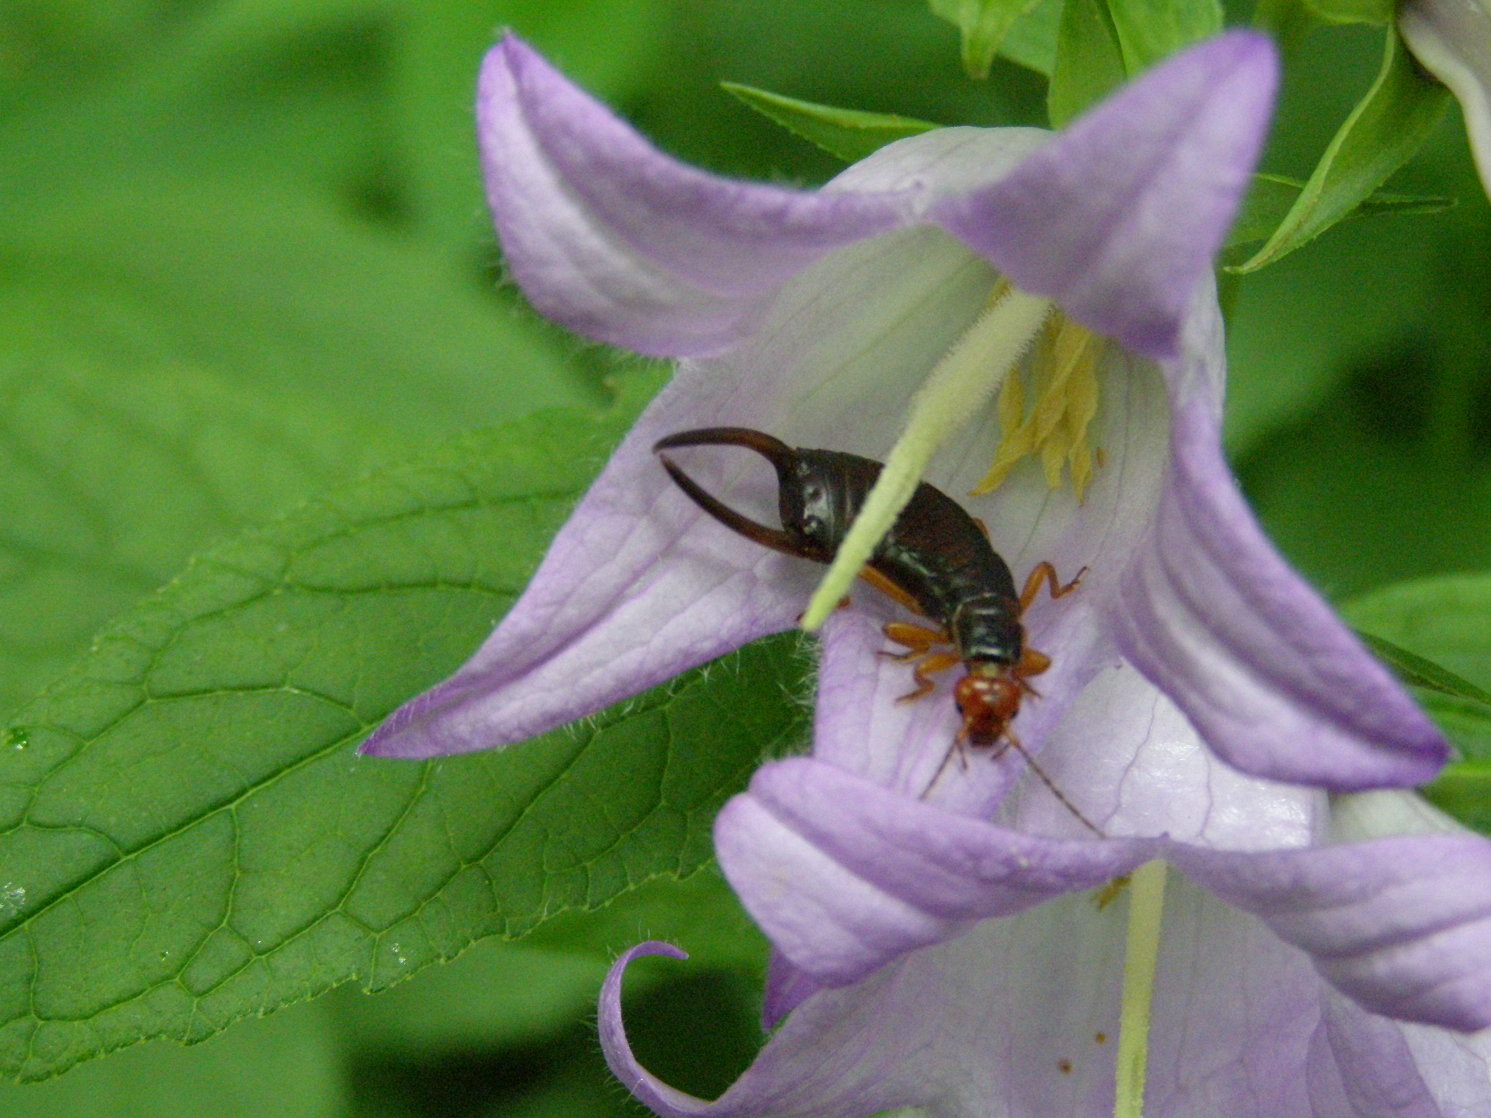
<point>1193,673</point>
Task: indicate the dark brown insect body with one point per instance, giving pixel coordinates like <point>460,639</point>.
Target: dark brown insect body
<point>936,560</point>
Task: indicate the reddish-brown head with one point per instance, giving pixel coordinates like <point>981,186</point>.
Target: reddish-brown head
<point>988,703</point>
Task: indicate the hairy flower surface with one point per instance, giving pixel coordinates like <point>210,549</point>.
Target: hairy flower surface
<point>1192,671</point>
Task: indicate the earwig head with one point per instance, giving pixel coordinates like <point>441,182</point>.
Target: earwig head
<point>988,703</point>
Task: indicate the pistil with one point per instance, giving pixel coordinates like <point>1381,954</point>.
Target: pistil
<point>1141,960</point>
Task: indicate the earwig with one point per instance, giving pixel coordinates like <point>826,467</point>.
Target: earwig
<point>936,560</point>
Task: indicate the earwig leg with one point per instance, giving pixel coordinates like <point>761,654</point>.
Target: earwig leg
<point>929,663</point>
<point>917,639</point>
<point>1030,663</point>
<point>883,584</point>
<point>1045,573</point>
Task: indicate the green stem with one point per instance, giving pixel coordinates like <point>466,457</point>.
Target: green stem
<point>1141,956</point>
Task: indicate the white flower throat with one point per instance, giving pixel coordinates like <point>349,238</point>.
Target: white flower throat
<point>1063,382</point>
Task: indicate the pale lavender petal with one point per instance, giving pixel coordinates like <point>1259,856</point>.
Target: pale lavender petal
<point>1402,924</point>
<point>1130,759</point>
<point>1241,1025</point>
<point>1119,217</point>
<point>648,1089</point>
<point>637,587</point>
<point>787,987</point>
<point>1452,39</point>
<point>623,244</point>
<point>1270,677</point>
<point>1370,1067</point>
<point>844,875</point>
<point>1233,1016</point>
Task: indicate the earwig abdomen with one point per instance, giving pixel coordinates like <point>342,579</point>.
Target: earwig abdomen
<point>935,552</point>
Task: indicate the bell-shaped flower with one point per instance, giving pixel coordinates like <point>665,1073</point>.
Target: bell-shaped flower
<point>817,316</point>
<point>1452,40</point>
<point>1000,311</point>
<point>1025,1016</point>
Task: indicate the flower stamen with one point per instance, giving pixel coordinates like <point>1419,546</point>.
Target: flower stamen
<point>953,393</point>
<point>1065,384</point>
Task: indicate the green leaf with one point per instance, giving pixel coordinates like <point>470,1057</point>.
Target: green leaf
<point>255,1069</point>
<point>110,480</point>
<point>1102,43</point>
<point>1463,792</point>
<point>1419,671</point>
<point>243,89</point>
<point>1031,39</point>
<point>495,995</point>
<point>1151,30</point>
<point>1270,198</point>
<point>188,837</point>
<point>849,134</point>
<point>1466,722</point>
<point>1089,62</point>
<point>1449,616</point>
<point>607,47</point>
<point>1387,126</point>
<point>1376,12</point>
<point>983,24</point>
<point>275,288</point>
<point>1298,379</point>
<point>500,993</point>
<point>699,914</point>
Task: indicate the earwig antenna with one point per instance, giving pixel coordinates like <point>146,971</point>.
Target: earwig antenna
<point>942,768</point>
<point>1051,785</point>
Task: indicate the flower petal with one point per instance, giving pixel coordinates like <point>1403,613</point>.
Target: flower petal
<point>1452,39</point>
<point>1118,218</point>
<point>1271,678</point>
<point>1241,1025</point>
<point>844,875</point>
<point>1018,1017</point>
<point>1402,925</point>
<point>1370,1067</point>
<point>637,587</point>
<point>787,987</point>
<point>648,1089</point>
<point>623,244</point>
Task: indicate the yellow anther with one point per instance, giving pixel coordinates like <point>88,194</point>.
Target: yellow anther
<point>1063,379</point>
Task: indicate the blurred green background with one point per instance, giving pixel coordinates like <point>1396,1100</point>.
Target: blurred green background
<point>244,254</point>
